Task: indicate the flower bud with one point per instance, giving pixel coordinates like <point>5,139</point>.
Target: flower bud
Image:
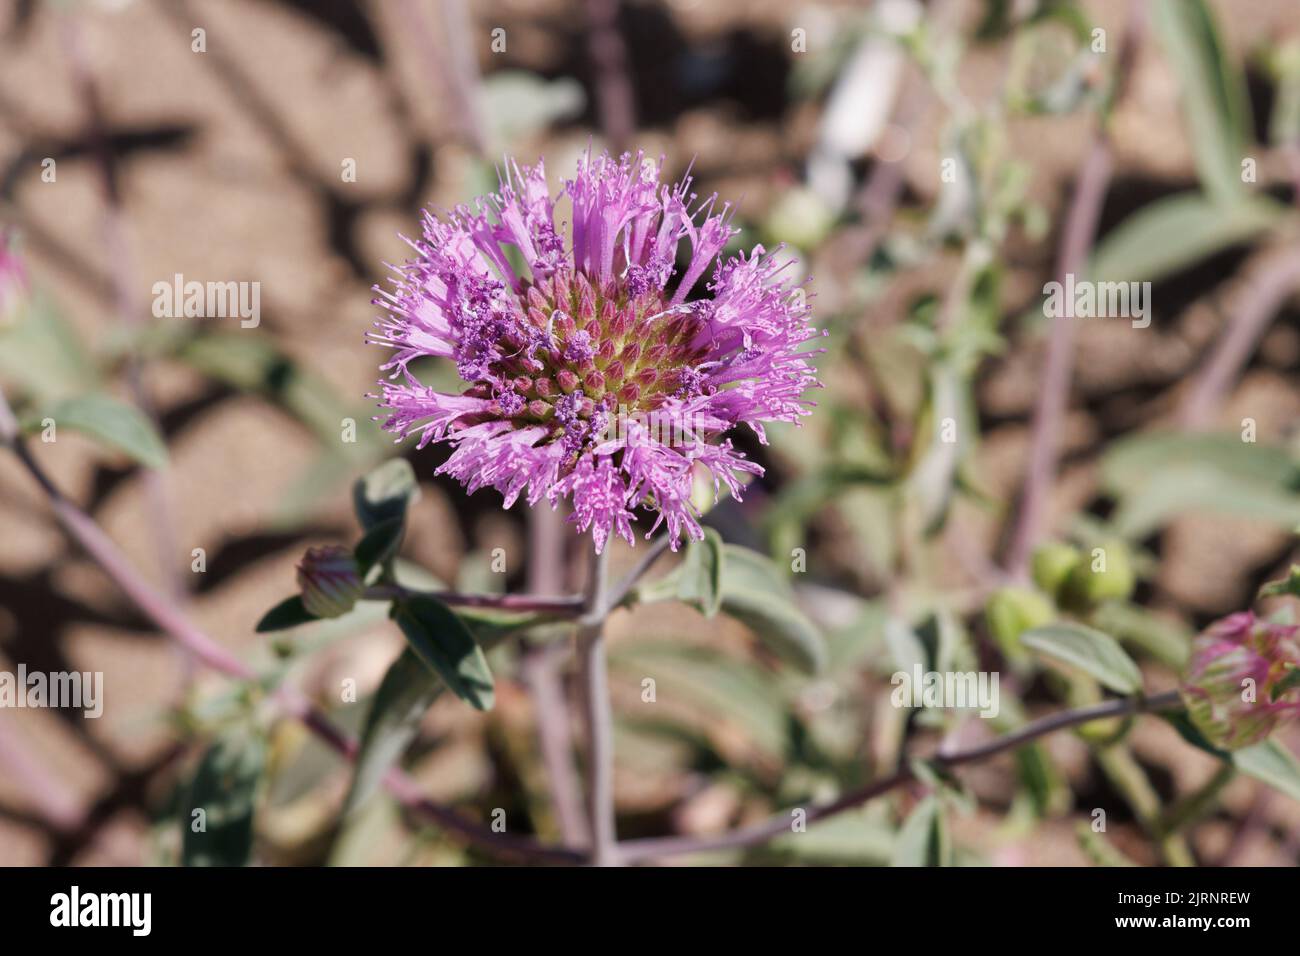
<point>330,581</point>
<point>1052,565</point>
<point>1011,611</point>
<point>1238,686</point>
<point>1104,574</point>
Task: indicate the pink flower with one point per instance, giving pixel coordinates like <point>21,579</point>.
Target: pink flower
<point>590,374</point>
<point>1237,668</point>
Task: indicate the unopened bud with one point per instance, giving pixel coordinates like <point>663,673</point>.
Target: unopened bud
<point>330,581</point>
<point>1052,565</point>
<point>1104,575</point>
<point>1239,684</point>
<point>1011,611</point>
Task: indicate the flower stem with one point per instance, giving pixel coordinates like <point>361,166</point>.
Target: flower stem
<point>173,621</point>
<point>600,720</point>
<point>658,848</point>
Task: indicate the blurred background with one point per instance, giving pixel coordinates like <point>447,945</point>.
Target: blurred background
<point>918,160</point>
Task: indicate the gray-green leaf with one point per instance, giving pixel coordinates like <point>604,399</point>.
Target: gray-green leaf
<point>288,613</point>
<point>112,423</point>
<point>447,646</point>
<point>407,691</point>
<point>1093,652</point>
<point>225,789</point>
<point>385,493</point>
<point>1213,91</point>
<point>923,839</point>
<point>1174,233</point>
<point>1272,763</point>
<point>700,580</point>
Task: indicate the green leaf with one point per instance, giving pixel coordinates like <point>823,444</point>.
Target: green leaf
<point>1289,585</point>
<point>1271,763</point>
<point>906,650</point>
<point>384,493</point>
<point>1213,92</point>
<point>43,355</point>
<point>923,839</point>
<point>753,592</point>
<point>1177,232</point>
<point>779,624</point>
<point>1093,652</point>
<point>1047,788</point>
<point>1166,640</point>
<point>699,582</point>
<point>255,364</point>
<point>1132,461</point>
<point>445,644</point>
<point>112,423</point>
<point>407,691</point>
<point>708,688</point>
<point>1203,489</point>
<point>380,544</point>
<point>288,613</point>
<point>518,103</point>
<point>225,788</point>
<point>847,839</point>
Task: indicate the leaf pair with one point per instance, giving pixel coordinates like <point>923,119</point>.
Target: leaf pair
<point>744,585</point>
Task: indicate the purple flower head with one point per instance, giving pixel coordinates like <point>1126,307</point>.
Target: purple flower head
<point>559,341</point>
<point>1239,685</point>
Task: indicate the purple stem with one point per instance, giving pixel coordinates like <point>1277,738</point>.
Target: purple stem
<point>1080,228</point>
<point>614,96</point>
<point>1072,258</point>
<point>600,718</point>
<point>635,851</point>
<point>542,674</point>
<point>1268,290</point>
<point>53,800</point>
<point>457,69</point>
<point>171,620</point>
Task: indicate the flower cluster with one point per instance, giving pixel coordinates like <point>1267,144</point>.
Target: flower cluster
<point>554,339</point>
<point>1239,683</point>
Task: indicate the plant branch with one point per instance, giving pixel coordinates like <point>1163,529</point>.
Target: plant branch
<point>600,718</point>
<point>290,702</point>
<point>636,851</point>
<point>541,672</point>
<point>614,97</point>
<point>1269,289</point>
<point>620,591</point>
<point>1072,259</point>
<point>55,803</point>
